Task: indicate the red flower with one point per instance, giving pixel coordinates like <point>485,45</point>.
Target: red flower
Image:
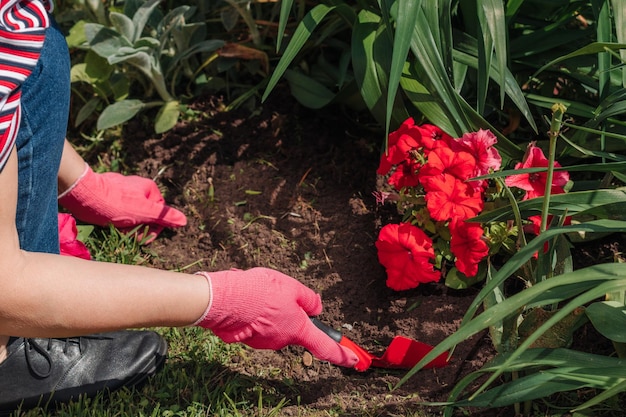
<point>443,160</point>
<point>448,198</point>
<point>468,246</point>
<point>535,184</point>
<point>431,134</point>
<point>401,141</point>
<point>406,253</point>
<point>69,245</point>
<point>480,146</point>
<point>405,175</point>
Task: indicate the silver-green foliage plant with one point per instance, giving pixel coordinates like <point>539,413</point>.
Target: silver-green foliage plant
<point>153,55</point>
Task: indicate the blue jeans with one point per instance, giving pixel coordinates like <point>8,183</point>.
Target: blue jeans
<point>45,110</point>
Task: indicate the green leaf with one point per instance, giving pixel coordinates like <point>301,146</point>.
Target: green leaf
<point>590,49</point>
<point>76,36</point>
<point>105,41</point>
<point>118,113</point>
<point>458,281</point>
<point>308,91</point>
<point>580,286</point>
<point>300,36</point>
<point>573,203</point>
<point>83,232</point>
<point>139,59</point>
<point>167,116</point>
<point>371,60</point>
<point>619,15</point>
<point>123,24</point>
<point>120,86</point>
<point>531,387</point>
<point>285,8</point>
<point>427,103</point>
<point>466,53</point>
<point>405,22</point>
<point>609,318</point>
<point>142,16</point>
<point>96,67</point>
<point>87,110</point>
<point>147,43</point>
<point>494,17</point>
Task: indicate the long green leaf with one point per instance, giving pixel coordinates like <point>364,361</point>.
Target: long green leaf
<point>371,60</point>
<point>429,64</point>
<point>465,52</point>
<point>590,282</point>
<point>586,296</point>
<point>524,254</point>
<point>534,360</point>
<point>300,36</point>
<point>603,396</point>
<point>570,203</point>
<point>592,48</point>
<point>405,22</point>
<point>531,387</point>
<point>609,318</point>
<point>619,15</point>
<point>285,8</point>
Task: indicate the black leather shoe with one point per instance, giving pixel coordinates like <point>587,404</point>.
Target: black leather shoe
<point>40,372</point>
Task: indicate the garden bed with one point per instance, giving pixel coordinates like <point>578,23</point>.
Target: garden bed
<point>291,189</point>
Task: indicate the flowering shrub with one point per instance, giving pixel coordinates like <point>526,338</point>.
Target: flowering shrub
<point>432,179</point>
<point>429,174</point>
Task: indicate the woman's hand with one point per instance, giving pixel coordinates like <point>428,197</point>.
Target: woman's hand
<point>266,309</point>
<point>123,201</point>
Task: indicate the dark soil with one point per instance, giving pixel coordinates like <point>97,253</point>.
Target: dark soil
<point>291,189</point>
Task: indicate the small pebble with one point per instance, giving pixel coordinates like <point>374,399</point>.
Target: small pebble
<point>307,359</point>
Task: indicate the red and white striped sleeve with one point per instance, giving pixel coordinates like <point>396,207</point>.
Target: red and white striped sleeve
<point>22,33</point>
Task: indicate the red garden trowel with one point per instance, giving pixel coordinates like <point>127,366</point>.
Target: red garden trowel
<point>402,352</point>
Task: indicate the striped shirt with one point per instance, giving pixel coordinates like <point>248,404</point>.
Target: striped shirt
<point>22,33</point>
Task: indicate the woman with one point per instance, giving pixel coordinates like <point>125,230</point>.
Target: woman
<point>48,300</point>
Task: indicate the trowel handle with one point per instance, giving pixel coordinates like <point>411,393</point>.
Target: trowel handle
<point>365,358</point>
<point>332,333</point>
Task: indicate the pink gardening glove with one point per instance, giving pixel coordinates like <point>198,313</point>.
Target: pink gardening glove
<point>124,201</point>
<point>266,309</point>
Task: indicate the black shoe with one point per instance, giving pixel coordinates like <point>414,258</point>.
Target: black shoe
<point>39,372</point>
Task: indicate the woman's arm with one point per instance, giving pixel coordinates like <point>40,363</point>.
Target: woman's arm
<point>49,295</point>
<point>71,168</point>
<point>45,295</point>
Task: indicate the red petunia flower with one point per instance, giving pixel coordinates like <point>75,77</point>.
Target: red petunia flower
<point>535,184</point>
<point>431,135</point>
<point>467,245</point>
<point>448,198</point>
<point>401,141</point>
<point>443,160</point>
<point>480,146</point>
<point>406,253</point>
<point>405,175</point>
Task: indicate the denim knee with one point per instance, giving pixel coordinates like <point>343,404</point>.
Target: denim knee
<point>45,109</point>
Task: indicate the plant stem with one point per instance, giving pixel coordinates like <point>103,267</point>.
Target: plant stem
<point>558,109</point>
